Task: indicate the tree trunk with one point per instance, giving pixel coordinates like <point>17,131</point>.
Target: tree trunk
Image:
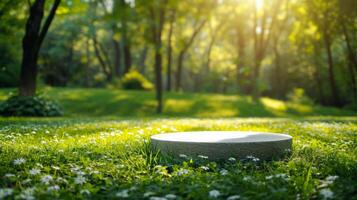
<point>158,15</point>
<point>169,52</point>
<point>158,79</point>
<point>352,63</point>
<point>210,46</point>
<point>255,78</point>
<point>351,52</point>
<point>334,90</point>
<point>277,86</point>
<point>31,49</point>
<point>127,57</point>
<point>179,70</point>
<point>317,76</point>
<point>183,52</point>
<point>88,62</point>
<point>117,60</point>
<point>241,52</point>
<point>31,45</point>
<point>209,50</point>
<point>101,60</point>
<point>126,47</point>
<point>261,41</point>
<point>276,79</point>
<point>142,60</point>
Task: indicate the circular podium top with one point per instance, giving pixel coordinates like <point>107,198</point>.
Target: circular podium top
<point>221,137</point>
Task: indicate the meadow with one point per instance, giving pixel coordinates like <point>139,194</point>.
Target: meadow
<point>100,102</point>
<point>101,149</point>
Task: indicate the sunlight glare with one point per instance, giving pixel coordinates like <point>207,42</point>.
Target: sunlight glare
<point>259,4</point>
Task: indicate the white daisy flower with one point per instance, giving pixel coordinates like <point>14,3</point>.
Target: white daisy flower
<point>39,165</point>
<point>94,172</point>
<point>53,188</point>
<point>331,178</point>
<point>147,194</point>
<point>326,193</point>
<point>214,193</point>
<point>133,188</point>
<point>80,173</point>
<point>122,194</point>
<point>232,159</point>
<point>27,194</point>
<point>183,156</point>
<point>26,181</point>
<point>205,168</point>
<point>19,161</point>
<point>5,192</point>
<point>80,180</point>
<point>157,198</point>
<point>85,192</point>
<point>203,157</point>
<point>254,159</point>
<point>182,172</point>
<point>46,179</point>
<point>282,176</point>
<point>234,197</point>
<point>61,180</point>
<point>55,167</point>
<point>34,171</point>
<point>8,175</point>
<point>170,196</point>
<point>247,178</point>
<point>223,172</point>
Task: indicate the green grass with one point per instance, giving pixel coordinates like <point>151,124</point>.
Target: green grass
<point>106,102</point>
<point>96,152</point>
<point>113,156</point>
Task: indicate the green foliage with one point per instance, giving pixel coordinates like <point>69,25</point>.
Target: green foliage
<point>298,96</point>
<point>30,106</point>
<point>133,80</point>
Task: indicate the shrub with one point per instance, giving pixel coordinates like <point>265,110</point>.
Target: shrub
<point>298,96</point>
<point>133,80</point>
<point>30,106</point>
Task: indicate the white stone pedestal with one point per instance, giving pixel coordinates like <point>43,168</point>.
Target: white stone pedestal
<point>224,144</point>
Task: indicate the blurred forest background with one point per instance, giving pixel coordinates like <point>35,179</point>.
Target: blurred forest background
<point>272,48</point>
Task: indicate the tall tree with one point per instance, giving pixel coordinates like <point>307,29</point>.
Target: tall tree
<point>157,14</point>
<point>116,40</point>
<point>241,49</point>
<point>347,15</point>
<point>261,37</point>
<point>323,15</point>
<point>169,50</point>
<point>214,34</point>
<point>124,20</point>
<point>31,44</point>
<point>197,28</point>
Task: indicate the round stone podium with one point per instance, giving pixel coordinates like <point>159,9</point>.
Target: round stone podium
<point>218,145</point>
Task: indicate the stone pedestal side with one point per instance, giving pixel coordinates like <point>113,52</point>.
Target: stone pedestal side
<point>265,146</point>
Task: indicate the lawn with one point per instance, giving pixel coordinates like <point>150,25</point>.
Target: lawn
<point>97,152</point>
<point>110,102</point>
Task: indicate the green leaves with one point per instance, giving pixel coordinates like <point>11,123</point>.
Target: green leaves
<point>30,106</point>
